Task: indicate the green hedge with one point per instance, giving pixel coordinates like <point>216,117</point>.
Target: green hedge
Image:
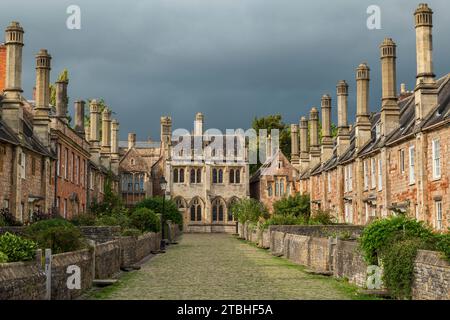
<point>171,211</point>
<point>16,248</point>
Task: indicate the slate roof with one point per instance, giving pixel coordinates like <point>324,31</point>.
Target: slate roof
<point>440,114</point>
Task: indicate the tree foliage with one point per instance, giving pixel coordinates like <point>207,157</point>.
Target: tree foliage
<point>171,211</point>
<point>297,206</point>
<point>249,210</point>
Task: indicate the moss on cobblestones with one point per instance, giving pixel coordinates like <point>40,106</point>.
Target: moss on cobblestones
<point>217,266</point>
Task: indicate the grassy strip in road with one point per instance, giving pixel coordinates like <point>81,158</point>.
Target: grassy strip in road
<point>351,290</point>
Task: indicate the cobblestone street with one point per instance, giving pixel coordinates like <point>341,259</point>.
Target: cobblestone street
<point>218,266</point>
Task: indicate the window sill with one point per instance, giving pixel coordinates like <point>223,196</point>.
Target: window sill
<point>436,179</point>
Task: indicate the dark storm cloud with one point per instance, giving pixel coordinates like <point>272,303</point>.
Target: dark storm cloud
<point>230,59</point>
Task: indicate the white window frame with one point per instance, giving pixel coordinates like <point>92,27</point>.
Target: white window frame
<point>439,215</point>
<point>348,213</point>
<point>412,159</point>
<point>23,165</point>
<point>329,181</point>
<point>380,174</point>
<point>373,176</point>
<point>366,175</point>
<point>436,158</point>
<point>350,177</point>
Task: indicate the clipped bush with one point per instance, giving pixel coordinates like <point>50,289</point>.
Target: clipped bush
<point>3,257</point>
<point>171,211</point>
<point>17,248</point>
<point>57,234</point>
<point>131,233</point>
<point>84,219</point>
<point>144,220</point>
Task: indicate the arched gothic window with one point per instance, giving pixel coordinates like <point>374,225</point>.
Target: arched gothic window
<point>175,175</point>
<point>220,176</point>
<point>192,180</point>
<point>199,175</point>
<point>214,175</point>
<point>238,176</point>
<point>196,211</point>
<point>231,176</point>
<point>181,175</point>
<point>217,211</point>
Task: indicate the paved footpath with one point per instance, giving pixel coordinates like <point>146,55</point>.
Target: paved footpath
<point>218,266</point>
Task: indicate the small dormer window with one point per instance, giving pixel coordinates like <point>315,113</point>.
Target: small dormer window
<point>133,162</point>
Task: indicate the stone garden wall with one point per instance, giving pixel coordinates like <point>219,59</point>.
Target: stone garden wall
<point>27,280</point>
<point>308,246</point>
<point>431,276</point>
<point>82,259</point>
<point>22,281</point>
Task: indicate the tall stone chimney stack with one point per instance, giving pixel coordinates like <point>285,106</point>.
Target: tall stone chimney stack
<point>327,139</point>
<point>390,111</point>
<point>115,146</point>
<point>304,145</point>
<point>94,136</point>
<point>41,119</point>
<point>131,140</point>
<point>269,150</point>
<point>295,151</point>
<point>426,93</point>
<point>362,127</point>
<point>79,117</point>
<point>61,99</point>
<point>12,107</point>
<point>343,138</point>
<point>198,124</point>
<point>314,137</point>
<point>106,132</point>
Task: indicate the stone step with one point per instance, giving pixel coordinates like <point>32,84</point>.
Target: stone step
<point>319,272</point>
<point>104,282</point>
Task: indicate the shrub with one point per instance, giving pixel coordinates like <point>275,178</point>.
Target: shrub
<point>84,219</point>
<point>298,205</point>
<point>171,211</point>
<point>145,219</point>
<point>249,210</point>
<point>443,244</point>
<point>131,233</point>
<point>322,217</point>
<point>7,219</point>
<point>116,219</point>
<point>3,258</point>
<point>280,220</point>
<point>17,248</point>
<point>380,233</point>
<point>56,234</point>
<point>37,216</point>
<point>398,267</point>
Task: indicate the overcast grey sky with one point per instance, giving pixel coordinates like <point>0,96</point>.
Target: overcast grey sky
<point>230,59</point>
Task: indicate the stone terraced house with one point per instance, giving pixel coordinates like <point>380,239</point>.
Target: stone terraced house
<point>391,161</point>
<point>45,164</point>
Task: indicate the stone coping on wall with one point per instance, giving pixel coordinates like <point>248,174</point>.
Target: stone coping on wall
<point>320,230</point>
